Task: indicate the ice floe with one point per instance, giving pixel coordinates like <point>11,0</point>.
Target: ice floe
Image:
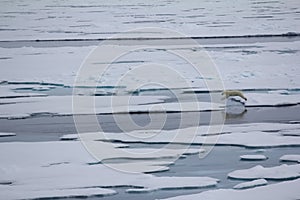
<point>253,157</point>
<point>54,193</point>
<point>256,135</point>
<point>292,158</point>
<point>273,99</point>
<point>2,134</point>
<point>7,92</point>
<point>251,184</point>
<point>280,191</point>
<point>62,105</point>
<point>95,20</point>
<point>264,70</point>
<point>282,172</point>
<point>66,171</point>
<point>174,183</point>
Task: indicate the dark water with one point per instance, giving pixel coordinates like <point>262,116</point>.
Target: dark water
<point>217,164</point>
<point>49,128</point>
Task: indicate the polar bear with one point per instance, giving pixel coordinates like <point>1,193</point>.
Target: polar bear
<point>232,93</point>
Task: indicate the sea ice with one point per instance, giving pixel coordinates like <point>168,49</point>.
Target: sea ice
<point>98,20</point>
<point>62,105</point>
<point>62,169</point>
<point>251,184</point>
<point>282,172</point>
<point>247,135</point>
<point>280,191</point>
<point>253,157</point>
<point>293,158</point>
<point>2,134</point>
<point>175,183</point>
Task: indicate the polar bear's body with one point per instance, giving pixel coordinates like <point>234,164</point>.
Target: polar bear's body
<point>232,93</point>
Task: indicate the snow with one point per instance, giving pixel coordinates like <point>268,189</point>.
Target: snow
<point>293,158</point>
<point>282,172</point>
<point>174,183</point>
<point>270,65</point>
<point>256,135</point>
<point>62,105</point>
<point>57,65</point>
<point>253,157</point>
<point>280,191</point>
<point>2,134</point>
<point>271,99</point>
<point>6,92</point>
<point>55,193</point>
<point>81,19</point>
<point>267,69</point>
<point>290,133</point>
<point>251,184</point>
<point>15,108</point>
<point>41,170</point>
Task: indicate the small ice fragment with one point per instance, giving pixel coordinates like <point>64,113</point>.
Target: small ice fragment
<point>291,157</point>
<point>3,134</point>
<point>253,157</point>
<point>251,184</point>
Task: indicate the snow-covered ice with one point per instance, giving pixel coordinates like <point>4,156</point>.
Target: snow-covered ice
<point>62,105</point>
<point>280,191</point>
<point>253,157</point>
<point>251,184</point>
<point>71,174</point>
<point>256,135</point>
<point>292,158</point>
<point>3,134</point>
<point>81,19</point>
<point>282,172</point>
<point>272,99</point>
<point>174,183</point>
<point>265,69</point>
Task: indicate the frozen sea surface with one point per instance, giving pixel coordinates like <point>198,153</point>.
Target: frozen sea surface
<point>254,46</point>
<point>93,19</point>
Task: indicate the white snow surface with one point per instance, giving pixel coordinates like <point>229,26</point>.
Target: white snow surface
<point>291,157</point>
<point>251,184</point>
<point>92,19</point>
<point>36,169</point>
<point>256,135</point>
<point>282,172</point>
<point>253,157</point>
<point>286,190</point>
<point>267,67</point>
<point>62,105</point>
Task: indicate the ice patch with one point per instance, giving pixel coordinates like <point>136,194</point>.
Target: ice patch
<point>253,157</point>
<point>95,20</point>
<point>246,135</point>
<point>6,92</point>
<point>282,172</point>
<point>271,99</point>
<point>62,105</point>
<point>2,134</point>
<point>290,133</point>
<point>43,171</point>
<point>175,183</point>
<point>251,184</point>
<point>7,193</point>
<point>280,191</point>
<point>69,137</point>
<point>293,158</point>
